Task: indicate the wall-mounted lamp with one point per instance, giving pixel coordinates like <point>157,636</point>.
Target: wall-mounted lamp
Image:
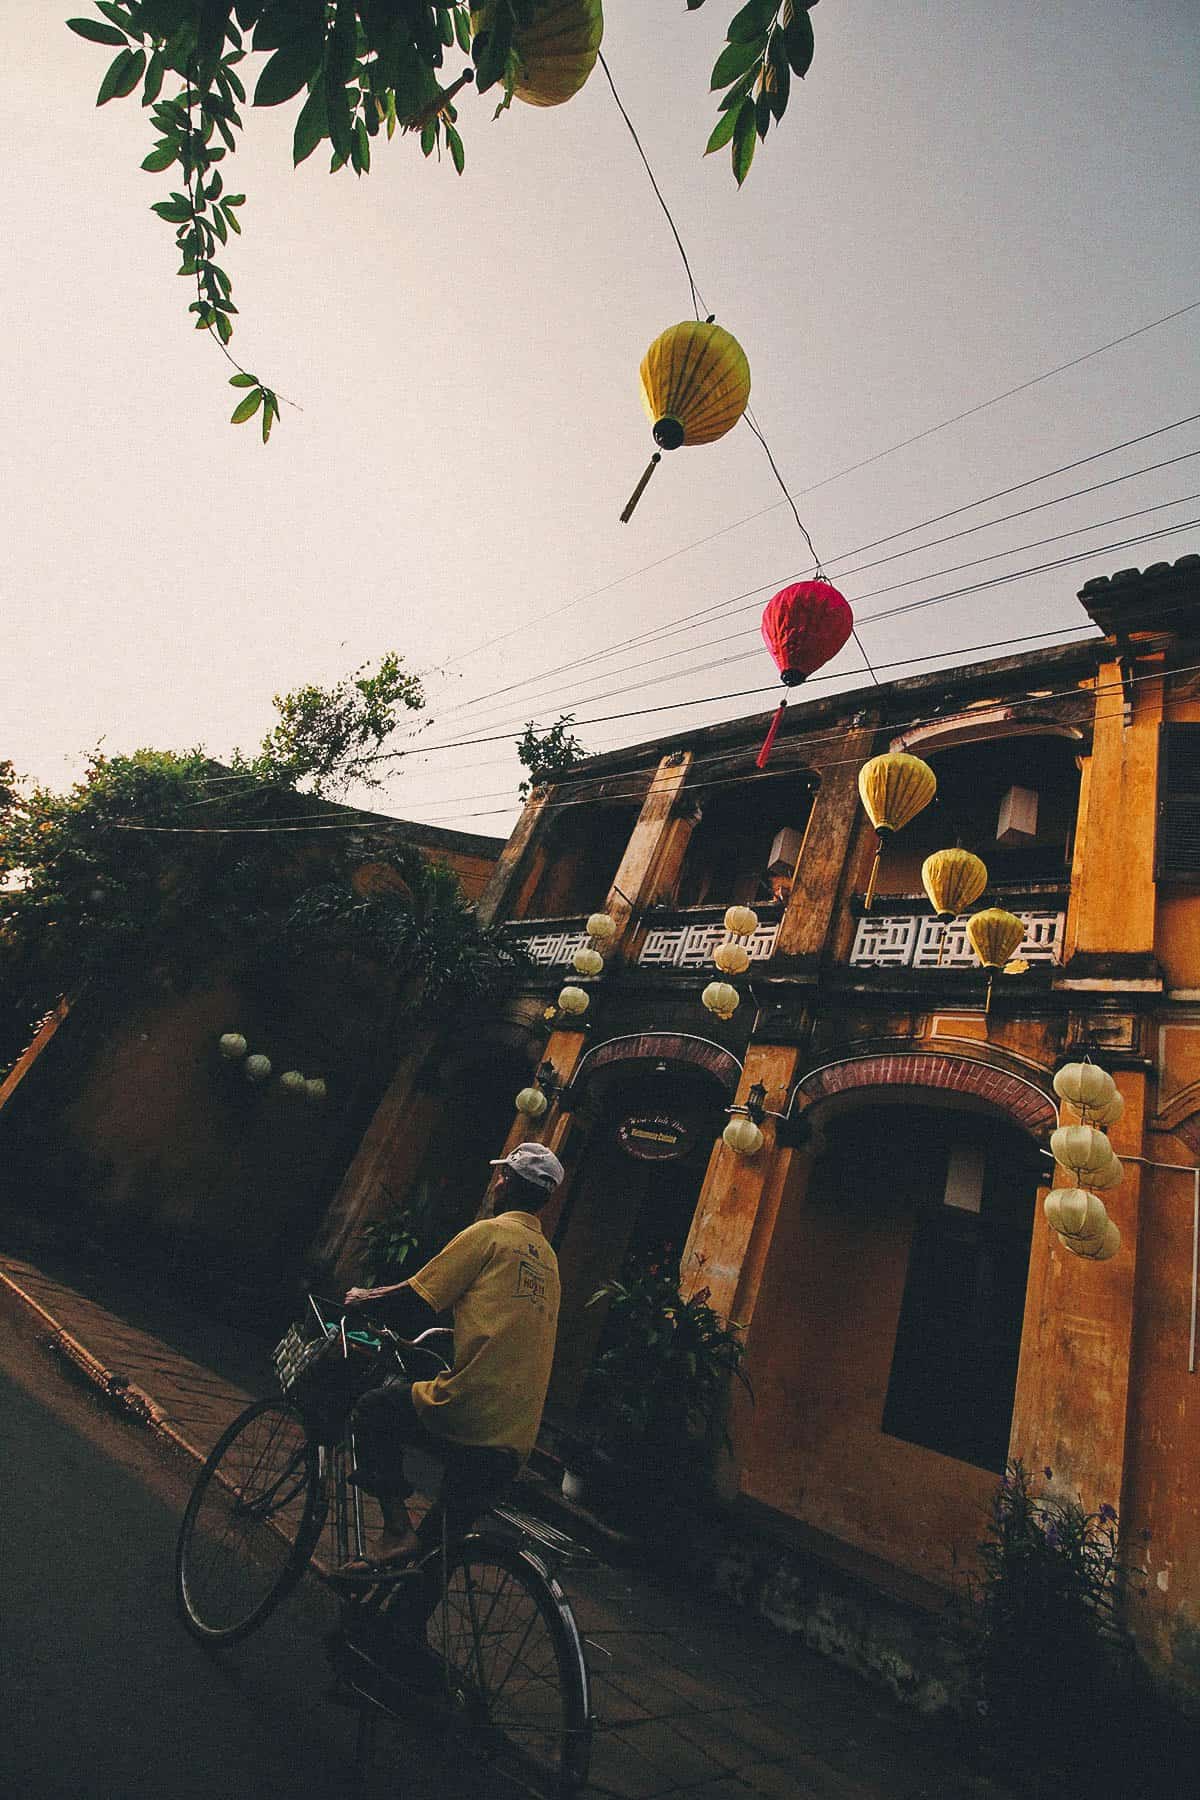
<point>534,1101</point>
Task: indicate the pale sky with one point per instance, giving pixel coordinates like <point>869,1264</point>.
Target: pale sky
<point>961,196</point>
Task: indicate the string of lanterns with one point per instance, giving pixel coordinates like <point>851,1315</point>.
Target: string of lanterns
<point>732,957</point>
<point>1078,1214</point>
<point>257,1069</point>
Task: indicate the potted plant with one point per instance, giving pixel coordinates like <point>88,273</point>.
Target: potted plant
<point>655,1401</point>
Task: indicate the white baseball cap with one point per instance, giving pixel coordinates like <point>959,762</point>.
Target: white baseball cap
<point>534,1163</point>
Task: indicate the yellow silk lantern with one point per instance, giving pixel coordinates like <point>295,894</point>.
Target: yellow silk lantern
<point>893,789</point>
<point>695,387</point>
<point>721,998</point>
<point>744,1136</point>
<point>732,959</point>
<point>587,961</point>
<point>741,921</point>
<point>601,926</point>
<point>1095,1250</point>
<point>1082,1149</point>
<point>995,938</point>
<point>573,1000</point>
<point>1086,1085</point>
<point>532,1102</point>
<point>1075,1213</point>
<point>953,880</point>
<point>557,43</point>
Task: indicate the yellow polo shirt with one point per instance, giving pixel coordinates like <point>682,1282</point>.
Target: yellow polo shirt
<point>500,1276</point>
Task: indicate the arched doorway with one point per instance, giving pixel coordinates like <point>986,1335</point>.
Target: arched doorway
<point>646,1129</point>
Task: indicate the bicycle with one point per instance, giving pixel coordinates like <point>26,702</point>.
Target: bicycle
<point>477,1634</point>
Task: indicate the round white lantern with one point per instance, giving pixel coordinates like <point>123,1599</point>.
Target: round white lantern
<point>1081,1148</point>
<point>1084,1084</point>
<point>1109,1113</point>
<point>257,1068</point>
<point>573,1000</point>
<point>741,921</point>
<point>532,1102</point>
<point>588,962</point>
<point>1107,1177</point>
<point>721,998</point>
<point>743,1135</point>
<point>292,1081</point>
<point>315,1090</point>
<point>601,926</point>
<point>232,1045</point>
<point>1075,1213</point>
<point>1102,1249</point>
<point>732,959</point>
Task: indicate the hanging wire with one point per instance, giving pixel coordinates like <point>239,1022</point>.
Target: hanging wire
<point>696,298</point>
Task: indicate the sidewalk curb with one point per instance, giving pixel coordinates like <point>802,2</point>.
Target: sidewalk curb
<point>130,1399</point>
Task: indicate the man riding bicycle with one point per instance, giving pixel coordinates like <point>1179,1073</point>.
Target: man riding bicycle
<point>480,1417</point>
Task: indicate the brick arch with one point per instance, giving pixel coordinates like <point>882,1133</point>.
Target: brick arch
<point>661,1046</point>
<point>1018,1098</point>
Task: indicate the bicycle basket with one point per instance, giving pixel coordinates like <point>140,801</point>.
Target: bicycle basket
<point>320,1379</point>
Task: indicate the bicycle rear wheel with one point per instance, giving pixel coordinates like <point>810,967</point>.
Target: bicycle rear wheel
<point>251,1524</point>
<point>504,1630</point>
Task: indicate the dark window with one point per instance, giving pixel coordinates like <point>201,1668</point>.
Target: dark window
<point>1177,850</point>
<point>954,1367</point>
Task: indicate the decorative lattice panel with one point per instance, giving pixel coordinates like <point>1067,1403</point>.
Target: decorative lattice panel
<point>899,940</point>
<point>692,946</point>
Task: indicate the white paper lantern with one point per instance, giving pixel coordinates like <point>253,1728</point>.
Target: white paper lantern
<point>743,1135</point>
<point>573,1000</point>
<point>1107,1177</point>
<point>315,1090</point>
<point>721,998</point>
<point>732,959</point>
<point>1075,1213</point>
<point>532,1102</point>
<point>257,1068</point>
<point>741,921</point>
<point>1081,1148</point>
<point>1084,1084</point>
<point>232,1045</point>
<point>292,1081</point>
<point>1109,1113</point>
<point>1099,1251</point>
<point>601,926</point>
<point>588,962</point>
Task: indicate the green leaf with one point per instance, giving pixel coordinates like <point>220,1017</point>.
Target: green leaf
<point>429,136</point>
<point>96,32</point>
<point>341,130</point>
<point>735,59</point>
<point>462,29</point>
<point>311,126</point>
<point>231,218</point>
<point>158,160</point>
<point>219,225</point>
<point>745,140</point>
<point>722,132</point>
<point>752,21</point>
<point>458,154</point>
<point>737,93</point>
<point>290,69</point>
<point>362,146</point>
<point>224,327</point>
<point>113,76</point>
<point>243,380</point>
<point>172,211</point>
<point>779,75</point>
<point>798,41</point>
<point>246,409</point>
<point>154,78</point>
<point>762,114</point>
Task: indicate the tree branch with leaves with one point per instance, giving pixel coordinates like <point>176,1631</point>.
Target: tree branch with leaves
<point>365,68</point>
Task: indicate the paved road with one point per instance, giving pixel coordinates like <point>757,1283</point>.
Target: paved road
<point>108,1699</point>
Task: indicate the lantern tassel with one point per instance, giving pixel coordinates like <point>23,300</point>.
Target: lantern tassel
<point>760,761</point>
<point>987,1004</point>
<point>640,489</point>
<point>941,947</point>
<point>874,877</point>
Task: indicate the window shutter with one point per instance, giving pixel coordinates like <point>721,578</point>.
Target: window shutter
<point>1177,851</point>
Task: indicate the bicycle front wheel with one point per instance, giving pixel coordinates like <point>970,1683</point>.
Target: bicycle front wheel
<point>504,1630</point>
<point>251,1525</point>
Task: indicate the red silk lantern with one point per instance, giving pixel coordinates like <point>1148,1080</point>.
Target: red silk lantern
<point>803,626</point>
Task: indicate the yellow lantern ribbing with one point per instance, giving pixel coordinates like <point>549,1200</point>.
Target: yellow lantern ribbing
<point>996,937</point>
<point>695,387</point>
<point>953,880</point>
<point>893,788</point>
<point>557,43</point>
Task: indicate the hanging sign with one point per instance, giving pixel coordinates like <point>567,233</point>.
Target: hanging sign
<point>654,1137</point>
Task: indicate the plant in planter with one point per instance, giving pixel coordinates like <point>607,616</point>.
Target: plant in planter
<point>655,1400</point>
<point>394,1246</point>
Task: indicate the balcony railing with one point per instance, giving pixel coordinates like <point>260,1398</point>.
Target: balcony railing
<point>674,940</point>
<point>917,941</point>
